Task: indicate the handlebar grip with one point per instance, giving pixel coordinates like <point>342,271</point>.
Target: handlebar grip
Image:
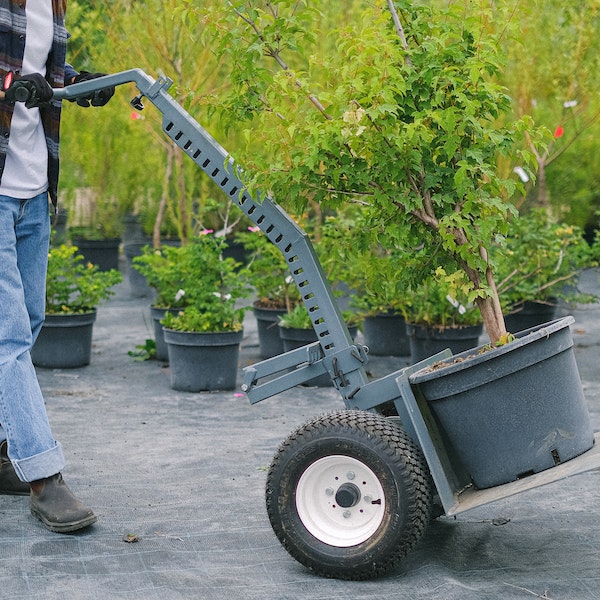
<point>21,94</point>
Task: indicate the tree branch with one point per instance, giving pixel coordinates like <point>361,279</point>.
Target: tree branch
<point>274,54</point>
<point>399,29</point>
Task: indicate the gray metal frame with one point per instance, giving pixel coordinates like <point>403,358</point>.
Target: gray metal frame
<point>335,353</point>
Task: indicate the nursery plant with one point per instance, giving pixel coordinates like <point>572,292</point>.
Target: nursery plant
<point>202,282</point>
<point>541,262</point>
<point>165,268</point>
<point>404,116</point>
<point>298,318</point>
<point>204,335</point>
<point>74,286</point>
<point>441,302</point>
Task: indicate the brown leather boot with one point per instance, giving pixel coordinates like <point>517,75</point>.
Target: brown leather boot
<point>53,503</point>
<point>10,484</point>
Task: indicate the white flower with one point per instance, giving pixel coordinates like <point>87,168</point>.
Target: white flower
<point>461,309</point>
<point>520,171</point>
<point>219,295</point>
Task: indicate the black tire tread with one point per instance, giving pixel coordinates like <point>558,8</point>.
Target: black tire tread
<point>398,449</point>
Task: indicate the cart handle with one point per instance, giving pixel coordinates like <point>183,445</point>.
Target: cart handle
<point>148,87</point>
<point>142,80</point>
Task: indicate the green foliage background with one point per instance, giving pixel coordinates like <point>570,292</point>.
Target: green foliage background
<point>552,50</point>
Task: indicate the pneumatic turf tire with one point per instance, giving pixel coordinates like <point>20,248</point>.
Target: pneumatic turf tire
<point>349,495</point>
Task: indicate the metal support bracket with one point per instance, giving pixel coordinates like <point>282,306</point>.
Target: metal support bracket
<point>298,366</point>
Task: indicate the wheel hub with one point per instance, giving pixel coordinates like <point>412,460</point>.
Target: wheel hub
<point>348,495</point>
<point>340,501</point>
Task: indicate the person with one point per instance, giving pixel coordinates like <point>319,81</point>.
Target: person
<point>32,58</point>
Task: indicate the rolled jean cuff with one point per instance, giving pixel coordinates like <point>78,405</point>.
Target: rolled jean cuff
<point>41,465</point>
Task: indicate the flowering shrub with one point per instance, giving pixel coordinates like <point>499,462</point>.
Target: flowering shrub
<point>198,279</point>
<point>74,286</point>
<point>165,270</point>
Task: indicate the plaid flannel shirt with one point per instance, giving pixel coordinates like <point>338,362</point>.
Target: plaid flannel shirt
<point>12,49</point>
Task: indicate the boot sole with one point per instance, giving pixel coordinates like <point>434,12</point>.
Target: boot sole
<point>65,527</point>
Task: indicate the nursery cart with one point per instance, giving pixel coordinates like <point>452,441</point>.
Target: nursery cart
<point>350,493</point>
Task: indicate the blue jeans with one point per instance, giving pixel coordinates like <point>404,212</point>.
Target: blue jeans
<point>24,241</point>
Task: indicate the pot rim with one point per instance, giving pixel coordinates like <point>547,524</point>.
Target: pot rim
<point>71,315</point>
<point>209,338</point>
<point>482,354</point>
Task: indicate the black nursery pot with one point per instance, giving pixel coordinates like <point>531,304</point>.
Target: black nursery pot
<point>385,334</point>
<point>514,410</point>
<point>65,341</point>
<point>267,323</point>
<point>203,361</point>
<point>426,341</point>
<point>102,253</point>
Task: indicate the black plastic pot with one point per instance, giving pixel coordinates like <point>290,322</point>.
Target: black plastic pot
<point>158,314</point>
<point>138,285</point>
<point>530,314</point>
<point>426,341</point>
<point>102,253</point>
<point>267,322</point>
<point>64,342</point>
<point>385,334</point>
<point>203,361</point>
<point>514,410</point>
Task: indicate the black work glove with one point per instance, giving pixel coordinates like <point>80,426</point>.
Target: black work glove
<point>97,98</point>
<point>32,88</point>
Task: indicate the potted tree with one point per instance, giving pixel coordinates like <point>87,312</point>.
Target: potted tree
<point>203,337</point>
<point>424,169</point>
<point>74,288</point>
<point>408,119</point>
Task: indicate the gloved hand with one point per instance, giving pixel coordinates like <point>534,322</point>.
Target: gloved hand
<point>97,98</point>
<point>37,87</point>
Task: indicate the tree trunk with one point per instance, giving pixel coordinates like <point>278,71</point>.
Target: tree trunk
<point>489,306</point>
<point>493,320</point>
<point>162,207</point>
<point>542,199</point>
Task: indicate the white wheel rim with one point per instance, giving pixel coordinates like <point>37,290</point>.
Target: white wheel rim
<point>317,494</point>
